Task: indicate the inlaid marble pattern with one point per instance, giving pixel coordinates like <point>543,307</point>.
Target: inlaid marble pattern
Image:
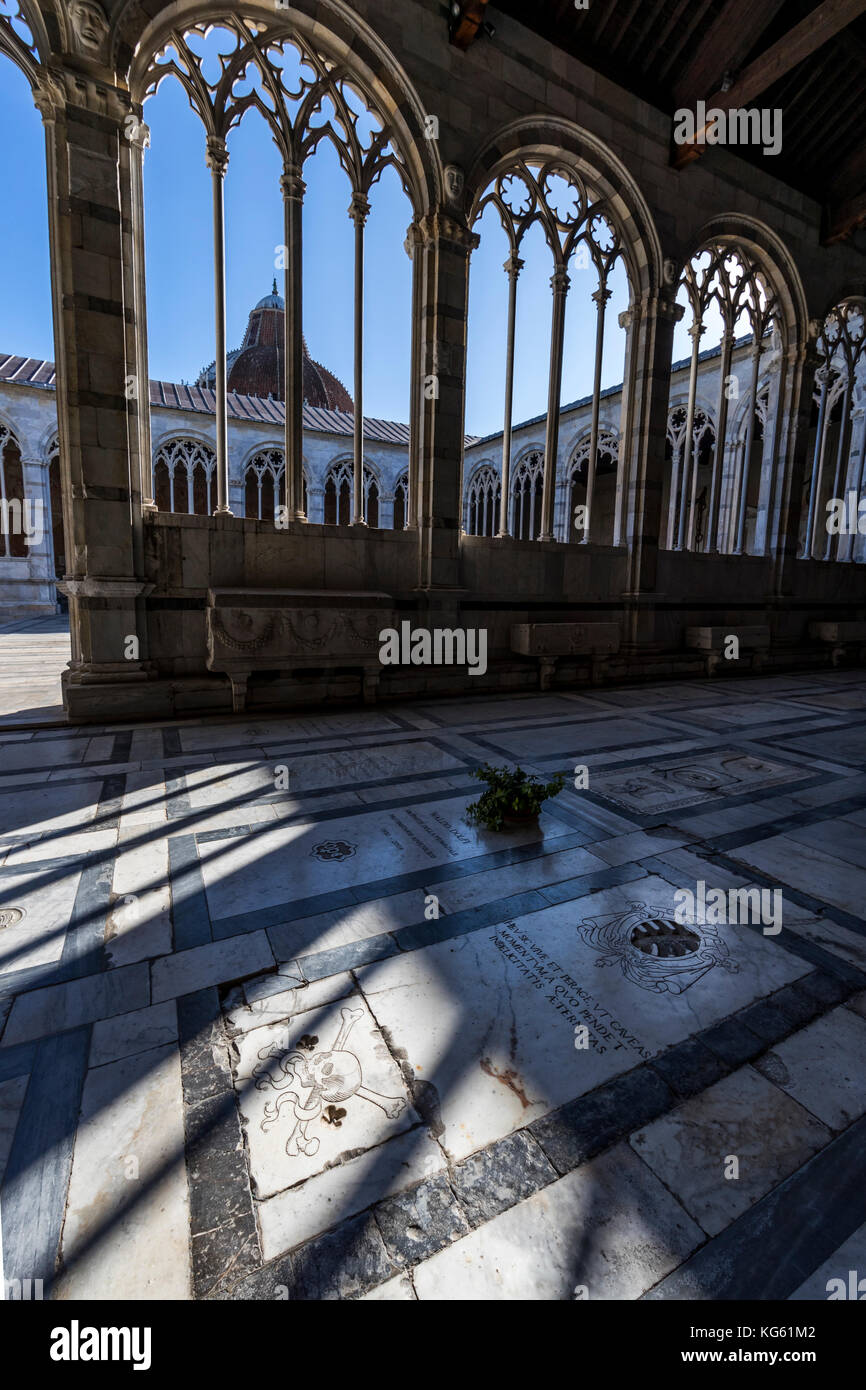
<point>689,781</point>
<point>402,1057</point>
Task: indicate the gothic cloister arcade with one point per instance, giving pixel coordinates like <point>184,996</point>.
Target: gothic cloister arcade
<point>737,451</point>
<point>396,397</point>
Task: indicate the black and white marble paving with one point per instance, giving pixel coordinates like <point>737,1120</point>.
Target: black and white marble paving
<point>276,1022</point>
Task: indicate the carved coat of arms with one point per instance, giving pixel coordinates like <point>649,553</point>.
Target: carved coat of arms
<point>655,951</point>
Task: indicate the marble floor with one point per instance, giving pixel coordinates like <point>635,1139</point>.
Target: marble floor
<point>277,1022</point>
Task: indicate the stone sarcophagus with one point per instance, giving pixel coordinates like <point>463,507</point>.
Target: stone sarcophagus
<point>251,630</point>
<point>550,641</point>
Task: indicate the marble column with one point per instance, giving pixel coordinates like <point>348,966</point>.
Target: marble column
<point>217,161</point>
<point>359,210</point>
<point>721,432</point>
<point>414,247</point>
<point>559,283</point>
<point>293,189</point>
<point>686,486</point>
<point>601,298</point>
<point>512,268</point>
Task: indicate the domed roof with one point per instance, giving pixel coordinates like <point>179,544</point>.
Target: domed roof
<point>272,301</point>
<point>259,367</point>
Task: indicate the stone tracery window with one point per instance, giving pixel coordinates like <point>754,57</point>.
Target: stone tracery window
<point>265,485</point>
<point>306,95</point>
<point>184,477</point>
<point>483,502</point>
<point>579,231</point>
<point>401,502</point>
<point>606,460</point>
<point>527,497</point>
<point>702,451</point>
<point>339,487</point>
<point>13,542</point>
<point>725,289</point>
<point>839,455</point>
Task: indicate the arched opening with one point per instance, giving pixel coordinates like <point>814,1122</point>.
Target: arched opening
<point>606,467</point>
<point>13,518</point>
<point>721,486</point>
<point>570,281</point>
<point>526,497</point>
<point>183,477</point>
<point>837,478</point>
<point>401,502</point>
<point>483,501</point>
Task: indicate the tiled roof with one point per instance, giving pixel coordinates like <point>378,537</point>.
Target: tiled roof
<point>26,371</point>
<point>30,371</point>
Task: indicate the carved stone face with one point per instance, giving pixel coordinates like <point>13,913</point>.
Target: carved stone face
<point>454,182</point>
<point>89,26</point>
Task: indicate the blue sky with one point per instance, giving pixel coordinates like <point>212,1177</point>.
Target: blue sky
<point>180,268</point>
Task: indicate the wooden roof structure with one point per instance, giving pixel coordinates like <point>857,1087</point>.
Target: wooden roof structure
<point>806,57</point>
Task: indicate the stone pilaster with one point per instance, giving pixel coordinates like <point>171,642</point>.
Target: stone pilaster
<point>447,244</point>
<point>99,377</point>
<point>653,338</point>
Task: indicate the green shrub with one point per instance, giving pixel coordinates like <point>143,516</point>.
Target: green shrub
<point>510,792</point>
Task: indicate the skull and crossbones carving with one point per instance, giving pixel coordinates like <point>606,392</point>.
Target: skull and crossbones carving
<point>329,1077</point>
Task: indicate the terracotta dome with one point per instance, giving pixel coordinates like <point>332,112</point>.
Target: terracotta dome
<point>259,367</point>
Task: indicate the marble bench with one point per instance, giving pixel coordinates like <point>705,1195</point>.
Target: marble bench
<point>548,642</point>
<point>712,640</point>
<point>842,637</point>
<point>251,630</point>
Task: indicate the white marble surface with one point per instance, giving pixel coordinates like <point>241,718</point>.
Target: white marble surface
<point>279,866</point>
<point>212,964</point>
<point>305,772</point>
<point>491,1039</point>
<point>126,1034</point>
<point>46,901</point>
<point>288,1150</point>
<point>609,1228</point>
<point>811,870</point>
<point>341,1191</point>
<point>821,1066</point>
<point>126,1233</point>
<point>745,1117</point>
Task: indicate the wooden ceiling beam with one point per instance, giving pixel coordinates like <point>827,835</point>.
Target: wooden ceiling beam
<point>725,46</point>
<point>841,219</point>
<point>798,44</point>
<point>467,17</point>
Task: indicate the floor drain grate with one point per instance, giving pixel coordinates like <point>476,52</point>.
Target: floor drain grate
<point>10,916</point>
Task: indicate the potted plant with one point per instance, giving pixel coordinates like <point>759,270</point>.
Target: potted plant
<point>513,797</point>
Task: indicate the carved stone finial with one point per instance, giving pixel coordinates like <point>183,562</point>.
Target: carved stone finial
<point>90,29</point>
